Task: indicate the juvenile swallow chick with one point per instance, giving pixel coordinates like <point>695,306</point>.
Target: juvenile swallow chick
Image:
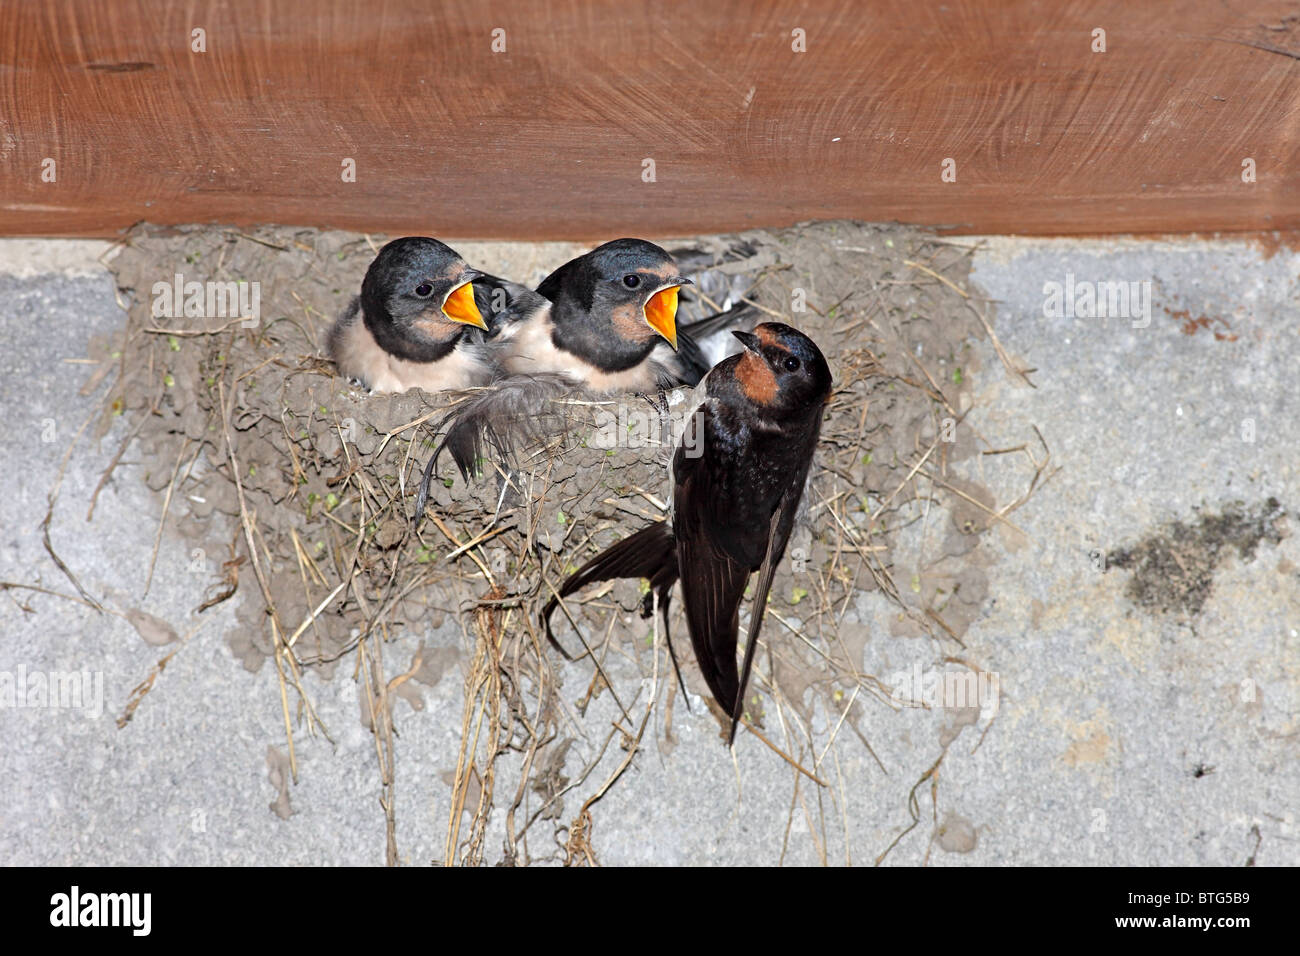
<point>738,475</point>
<point>606,322</point>
<point>601,320</point>
<point>419,321</point>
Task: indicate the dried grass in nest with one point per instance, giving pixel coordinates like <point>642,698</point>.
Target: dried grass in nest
<point>251,422</point>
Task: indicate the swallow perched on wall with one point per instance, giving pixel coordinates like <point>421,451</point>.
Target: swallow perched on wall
<point>738,475</point>
<point>422,320</point>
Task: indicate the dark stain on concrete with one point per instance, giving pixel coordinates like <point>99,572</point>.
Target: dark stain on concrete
<point>1173,568</point>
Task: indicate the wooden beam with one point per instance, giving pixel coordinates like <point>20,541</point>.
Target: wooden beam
<point>548,139</point>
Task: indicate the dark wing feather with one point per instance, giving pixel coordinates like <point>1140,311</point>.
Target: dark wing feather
<point>759,604</point>
<point>778,536</point>
<point>648,553</point>
<point>509,414</point>
<point>713,582</point>
<point>513,411</point>
<point>712,586</point>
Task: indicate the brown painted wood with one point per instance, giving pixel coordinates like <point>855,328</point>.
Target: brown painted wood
<point>547,139</point>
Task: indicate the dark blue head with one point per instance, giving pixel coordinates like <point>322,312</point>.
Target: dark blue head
<point>616,300</point>
<point>782,367</point>
<point>418,297</point>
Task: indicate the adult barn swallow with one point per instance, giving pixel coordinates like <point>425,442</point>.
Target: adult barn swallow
<point>738,475</point>
<point>420,320</point>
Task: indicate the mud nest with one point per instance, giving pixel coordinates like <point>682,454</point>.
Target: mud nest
<point>247,419</point>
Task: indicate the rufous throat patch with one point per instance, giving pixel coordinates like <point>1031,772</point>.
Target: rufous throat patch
<point>756,378</point>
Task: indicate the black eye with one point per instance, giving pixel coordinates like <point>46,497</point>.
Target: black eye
<point>791,363</point>
<point>632,281</point>
<point>424,290</point>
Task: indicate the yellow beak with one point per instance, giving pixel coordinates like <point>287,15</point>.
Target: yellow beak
<point>661,313</point>
<point>460,307</point>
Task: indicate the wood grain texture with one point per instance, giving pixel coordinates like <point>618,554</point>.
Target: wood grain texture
<point>547,139</point>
